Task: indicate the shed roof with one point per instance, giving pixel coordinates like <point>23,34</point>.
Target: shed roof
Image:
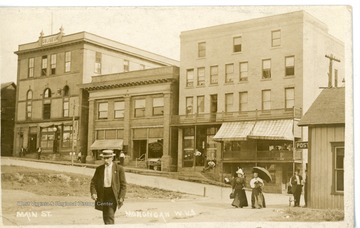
<point>6,84</point>
<point>328,108</point>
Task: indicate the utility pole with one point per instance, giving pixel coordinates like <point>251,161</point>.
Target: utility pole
<point>331,59</point>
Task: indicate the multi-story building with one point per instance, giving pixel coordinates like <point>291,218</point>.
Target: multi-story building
<point>243,88</point>
<point>132,112</point>
<point>8,95</point>
<point>51,109</point>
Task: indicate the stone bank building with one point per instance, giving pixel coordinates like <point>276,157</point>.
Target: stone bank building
<point>51,110</point>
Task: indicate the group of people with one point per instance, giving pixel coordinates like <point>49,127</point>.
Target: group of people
<point>296,183</point>
<point>238,191</point>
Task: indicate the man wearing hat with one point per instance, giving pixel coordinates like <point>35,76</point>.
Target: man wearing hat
<point>108,187</point>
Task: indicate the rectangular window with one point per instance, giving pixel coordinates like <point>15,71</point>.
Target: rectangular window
<point>237,44</point>
<point>289,97</point>
<point>290,66</point>
<point>243,99</point>
<point>158,106</point>
<point>98,63</point>
<point>119,107</point>
<point>66,108</point>
<point>229,99</point>
<point>126,65</point>
<point>67,136</point>
<point>103,110</point>
<point>214,75</point>
<point>46,111</point>
<point>229,73</point>
<point>28,109</point>
<point>339,169</point>
<point>201,76</point>
<point>44,65</point>
<point>67,61</point>
<point>201,49</point>
<point>266,68</point>
<point>266,99</point>
<point>190,78</point>
<point>275,38</point>
<point>140,108</point>
<point>189,105</point>
<point>243,71</point>
<point>31,68</point>
<point>53,63</point>
<point>200,104</point>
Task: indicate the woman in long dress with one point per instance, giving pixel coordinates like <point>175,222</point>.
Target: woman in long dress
<point>238,186</point>
<point>257,197</point>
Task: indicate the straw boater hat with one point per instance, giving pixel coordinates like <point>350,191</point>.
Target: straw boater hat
<point>107,153</point>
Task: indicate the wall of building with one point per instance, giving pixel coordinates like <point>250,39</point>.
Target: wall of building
<point>321,167</point>
<point>8,95</point>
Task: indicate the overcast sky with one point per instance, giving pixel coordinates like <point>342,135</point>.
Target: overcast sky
<point>154,29</point>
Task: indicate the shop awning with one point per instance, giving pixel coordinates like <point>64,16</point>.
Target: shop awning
<point>234,131</point>
<point>273,130</point>
<point>114,144</point>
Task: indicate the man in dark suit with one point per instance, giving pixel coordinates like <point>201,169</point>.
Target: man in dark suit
<point>296,183</point>
<point>108,187</point>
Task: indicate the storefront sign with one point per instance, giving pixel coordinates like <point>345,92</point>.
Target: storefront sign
<point>302,145</point>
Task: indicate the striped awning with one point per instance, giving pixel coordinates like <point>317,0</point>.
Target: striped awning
<point>112,144</point>
<point>234,131</point>
<point>273,130</point>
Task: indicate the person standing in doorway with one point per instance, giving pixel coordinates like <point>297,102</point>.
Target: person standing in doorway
<point>108,187</point>
<point>296,183</point>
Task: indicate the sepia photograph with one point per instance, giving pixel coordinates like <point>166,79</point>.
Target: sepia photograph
<point>179,116</point>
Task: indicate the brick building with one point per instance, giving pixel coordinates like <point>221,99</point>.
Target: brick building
<point>243,88</point>
<point>8,96</point>
<point>51,110</point>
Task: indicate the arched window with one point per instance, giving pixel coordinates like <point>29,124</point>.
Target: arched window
<point>29,97</point>
<point>47,93</point>
<point>47,104</point>
<point>66,91</point>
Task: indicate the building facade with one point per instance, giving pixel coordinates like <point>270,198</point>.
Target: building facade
<point>51,109</point>
<point>132,112</point>
<point>325,183</point>
<point>243,88</point>
<point>8,96</point>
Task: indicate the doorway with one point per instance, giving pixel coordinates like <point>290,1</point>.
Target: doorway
<point>32,143</point>
<point>140,149</point>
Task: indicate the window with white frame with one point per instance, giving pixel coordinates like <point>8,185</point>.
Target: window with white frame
<point>229,101</point>
<point>201,49</point>
<point>67,61</point>
<point>243,101</point>
<point>190,78</point>
<point>275,38</point>
<point>139,108</point>
<point>229,73</point>
<point>158,106</point>
<point>243,71</point>
<point>103,110</point>
<point>53,63</point>
<point>289,97</point>
<point>214,75</point>
<point>47,104</point>
<point>266,99</point>
<point>44,63</point>
<point>119,108</point>
<point>200,104</point>
<point>31,68</point>
<point>98,63</point>
<point>338,167</point>
<point>66,107</point>
<point>266,68</point>
<point>290,66</point>
<point>201,76</point>
<point>237,41</point>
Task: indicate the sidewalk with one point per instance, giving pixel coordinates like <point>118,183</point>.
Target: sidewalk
<point>207,190</point>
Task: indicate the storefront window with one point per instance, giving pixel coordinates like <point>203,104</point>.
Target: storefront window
<point>67,136</point>
<point>189,144</point>
<point>155,148</point>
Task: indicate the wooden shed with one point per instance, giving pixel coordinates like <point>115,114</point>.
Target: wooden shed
<point>326,124</point>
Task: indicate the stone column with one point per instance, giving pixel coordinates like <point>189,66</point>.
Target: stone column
<point>91,131</point>
<point>166,159</point>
